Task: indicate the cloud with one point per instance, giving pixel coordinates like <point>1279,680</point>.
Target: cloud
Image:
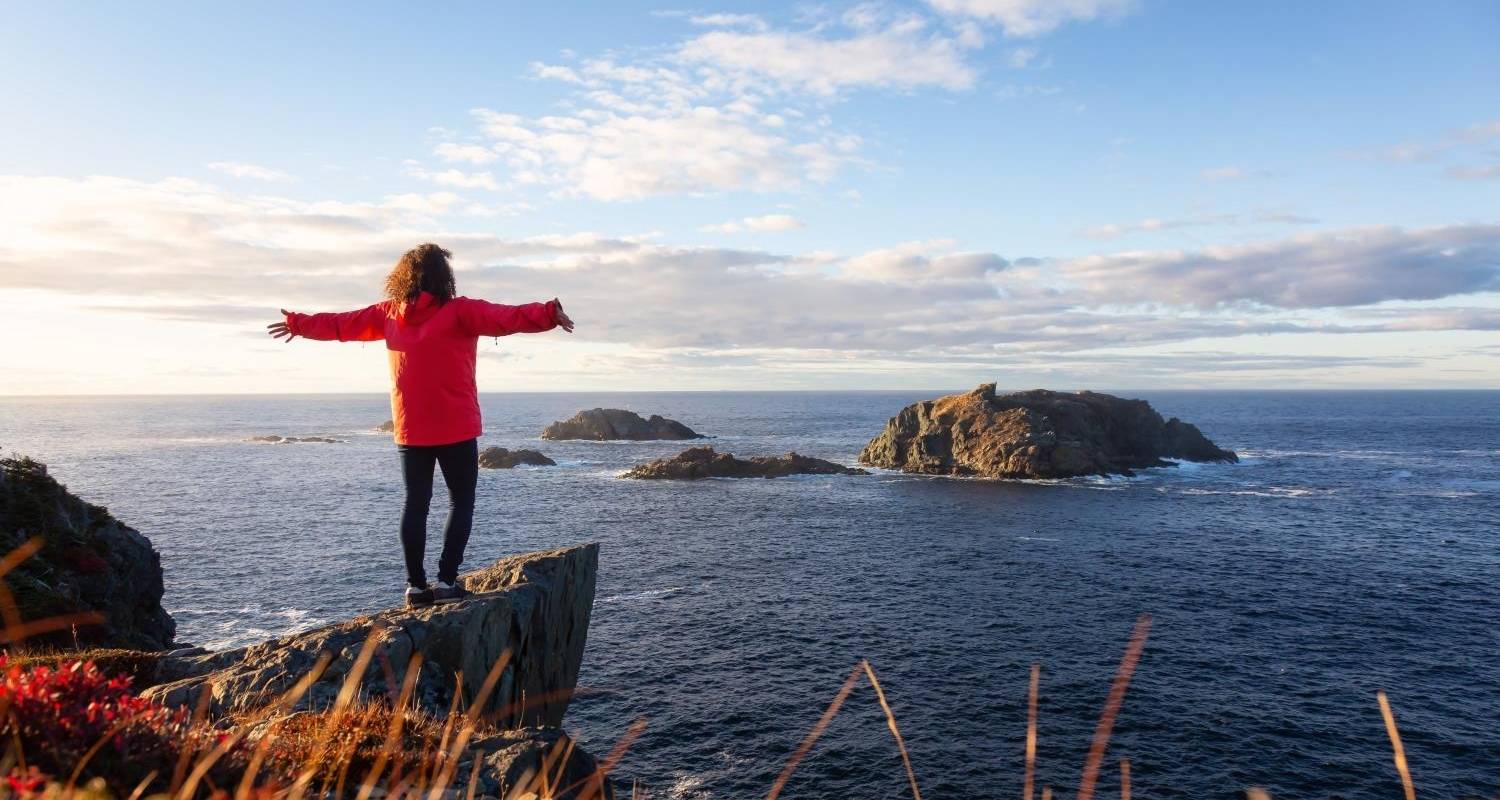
<point>740,107</point>
<point>1226,173</point>
<point>750,21</point>
<point>192,252</point>
<point>1485,172</point>
<point>1026,18</point>
<point>900,53</point>
<point>466,153</point>
<point>456,179</point>
<point>768,223</point>
<point>1115,230</point>
<point>240,169</point>
<point>1354,267</point>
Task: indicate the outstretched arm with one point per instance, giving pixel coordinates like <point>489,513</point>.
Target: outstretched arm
<point>483,318</point>
<point>363,325</point>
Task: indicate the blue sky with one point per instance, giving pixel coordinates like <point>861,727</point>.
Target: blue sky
<point>1084,193</point>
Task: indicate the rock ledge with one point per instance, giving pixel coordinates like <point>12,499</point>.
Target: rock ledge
<point>696,463</point>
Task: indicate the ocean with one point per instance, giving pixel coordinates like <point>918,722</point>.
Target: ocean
<point>1354,548</point>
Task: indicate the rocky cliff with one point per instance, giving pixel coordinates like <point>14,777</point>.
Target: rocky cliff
<point>1035,434</point>
<point>89,564</point>
<point>608,424</point>
<point>530,613</point>
<point>696,463</point>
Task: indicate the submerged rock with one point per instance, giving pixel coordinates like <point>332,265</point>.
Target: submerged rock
<point>1035,434</point>
<point>607,424</point>
<point>530,614</point>
<point>703,462</point>
<point>501,458</point>
<point>274,439</point>
<point>91,568</point>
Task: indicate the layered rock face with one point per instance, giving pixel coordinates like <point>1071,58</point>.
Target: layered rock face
<point>501,458</point>
<point>530,613</point>
<point>703,462</point>
<point>1035,434</point>
<point>607,424</point>
<point>89,563</point>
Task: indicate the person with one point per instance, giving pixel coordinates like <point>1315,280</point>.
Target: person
<point>431,336</point>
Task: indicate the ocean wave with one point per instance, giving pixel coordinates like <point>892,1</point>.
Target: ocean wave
<point>644,594</point>
<point>1283,492</point>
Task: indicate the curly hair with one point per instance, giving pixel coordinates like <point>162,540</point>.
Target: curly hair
<point>423,268</point>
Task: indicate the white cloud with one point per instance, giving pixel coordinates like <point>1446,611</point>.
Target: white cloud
<point>768,223</point>
<point>902,53</point>
<point>187,251</point>
<point>1353,267</point>
<point>750,21</point>
<point>454,178</point>
<point>1225,173</point>
<point>465,153</point>
<point>1482,172</point>
<point>1025,18</point>
<point>240,169</point>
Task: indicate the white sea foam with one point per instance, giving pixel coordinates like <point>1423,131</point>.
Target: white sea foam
<point>644,594</point>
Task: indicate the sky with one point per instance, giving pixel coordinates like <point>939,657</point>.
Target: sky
<point>1109,194</point>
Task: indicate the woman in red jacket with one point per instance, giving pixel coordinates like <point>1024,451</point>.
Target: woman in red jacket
<point>431,336</point>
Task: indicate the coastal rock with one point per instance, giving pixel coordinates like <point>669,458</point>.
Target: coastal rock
<point>89,564</point>
<point>1035,434</point>
<point>274,439</point>
<point>501,458</point>
<point>530,614</point>
<point>389,426</point>
<point>518,763</point>
<point>695,463</point>
<point>607,424</point>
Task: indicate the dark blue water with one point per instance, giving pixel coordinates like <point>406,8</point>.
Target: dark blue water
<point>1355,548</point>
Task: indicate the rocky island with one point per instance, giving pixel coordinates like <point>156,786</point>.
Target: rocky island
<point>611,424</point>
<point>696,463</point>
<point>501,458</point>
<point>1035,434</point>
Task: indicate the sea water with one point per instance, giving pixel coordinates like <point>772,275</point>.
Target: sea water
<point>1355,547</point>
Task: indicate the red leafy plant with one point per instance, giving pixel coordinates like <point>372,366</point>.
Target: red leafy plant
<point>74,717</point>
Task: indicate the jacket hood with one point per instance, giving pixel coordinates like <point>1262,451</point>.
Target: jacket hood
<point>416,312</point>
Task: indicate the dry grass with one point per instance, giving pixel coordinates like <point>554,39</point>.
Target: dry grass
<point>363,748</point>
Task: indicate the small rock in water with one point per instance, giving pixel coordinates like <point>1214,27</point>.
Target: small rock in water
<point>389,426</point>
<point>501,458</point>
<point>610,424</point>
<point>695,463</point>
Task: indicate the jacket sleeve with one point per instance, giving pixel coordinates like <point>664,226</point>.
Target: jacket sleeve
<point>483,318</point>
<point>365,325</point>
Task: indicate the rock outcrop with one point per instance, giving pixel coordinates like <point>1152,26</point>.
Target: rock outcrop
<point>274,439</point>
<point>529,614</point>
<point>91,567</point>
<point>696,463</point>
<point>501,458</point>
<point>1035,434</point>
<point>608,424</point>
<point>389,426</point>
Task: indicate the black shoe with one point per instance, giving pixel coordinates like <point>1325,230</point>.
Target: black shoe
<point>418,598</point>
<point>449,593</point>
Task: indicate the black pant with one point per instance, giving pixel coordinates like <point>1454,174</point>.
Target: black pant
<point>460,463</point>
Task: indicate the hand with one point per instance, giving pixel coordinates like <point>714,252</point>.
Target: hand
<point>280,329</point>
<point>563,320</point>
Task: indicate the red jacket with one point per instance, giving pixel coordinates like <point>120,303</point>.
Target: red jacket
<point>432,350</point>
